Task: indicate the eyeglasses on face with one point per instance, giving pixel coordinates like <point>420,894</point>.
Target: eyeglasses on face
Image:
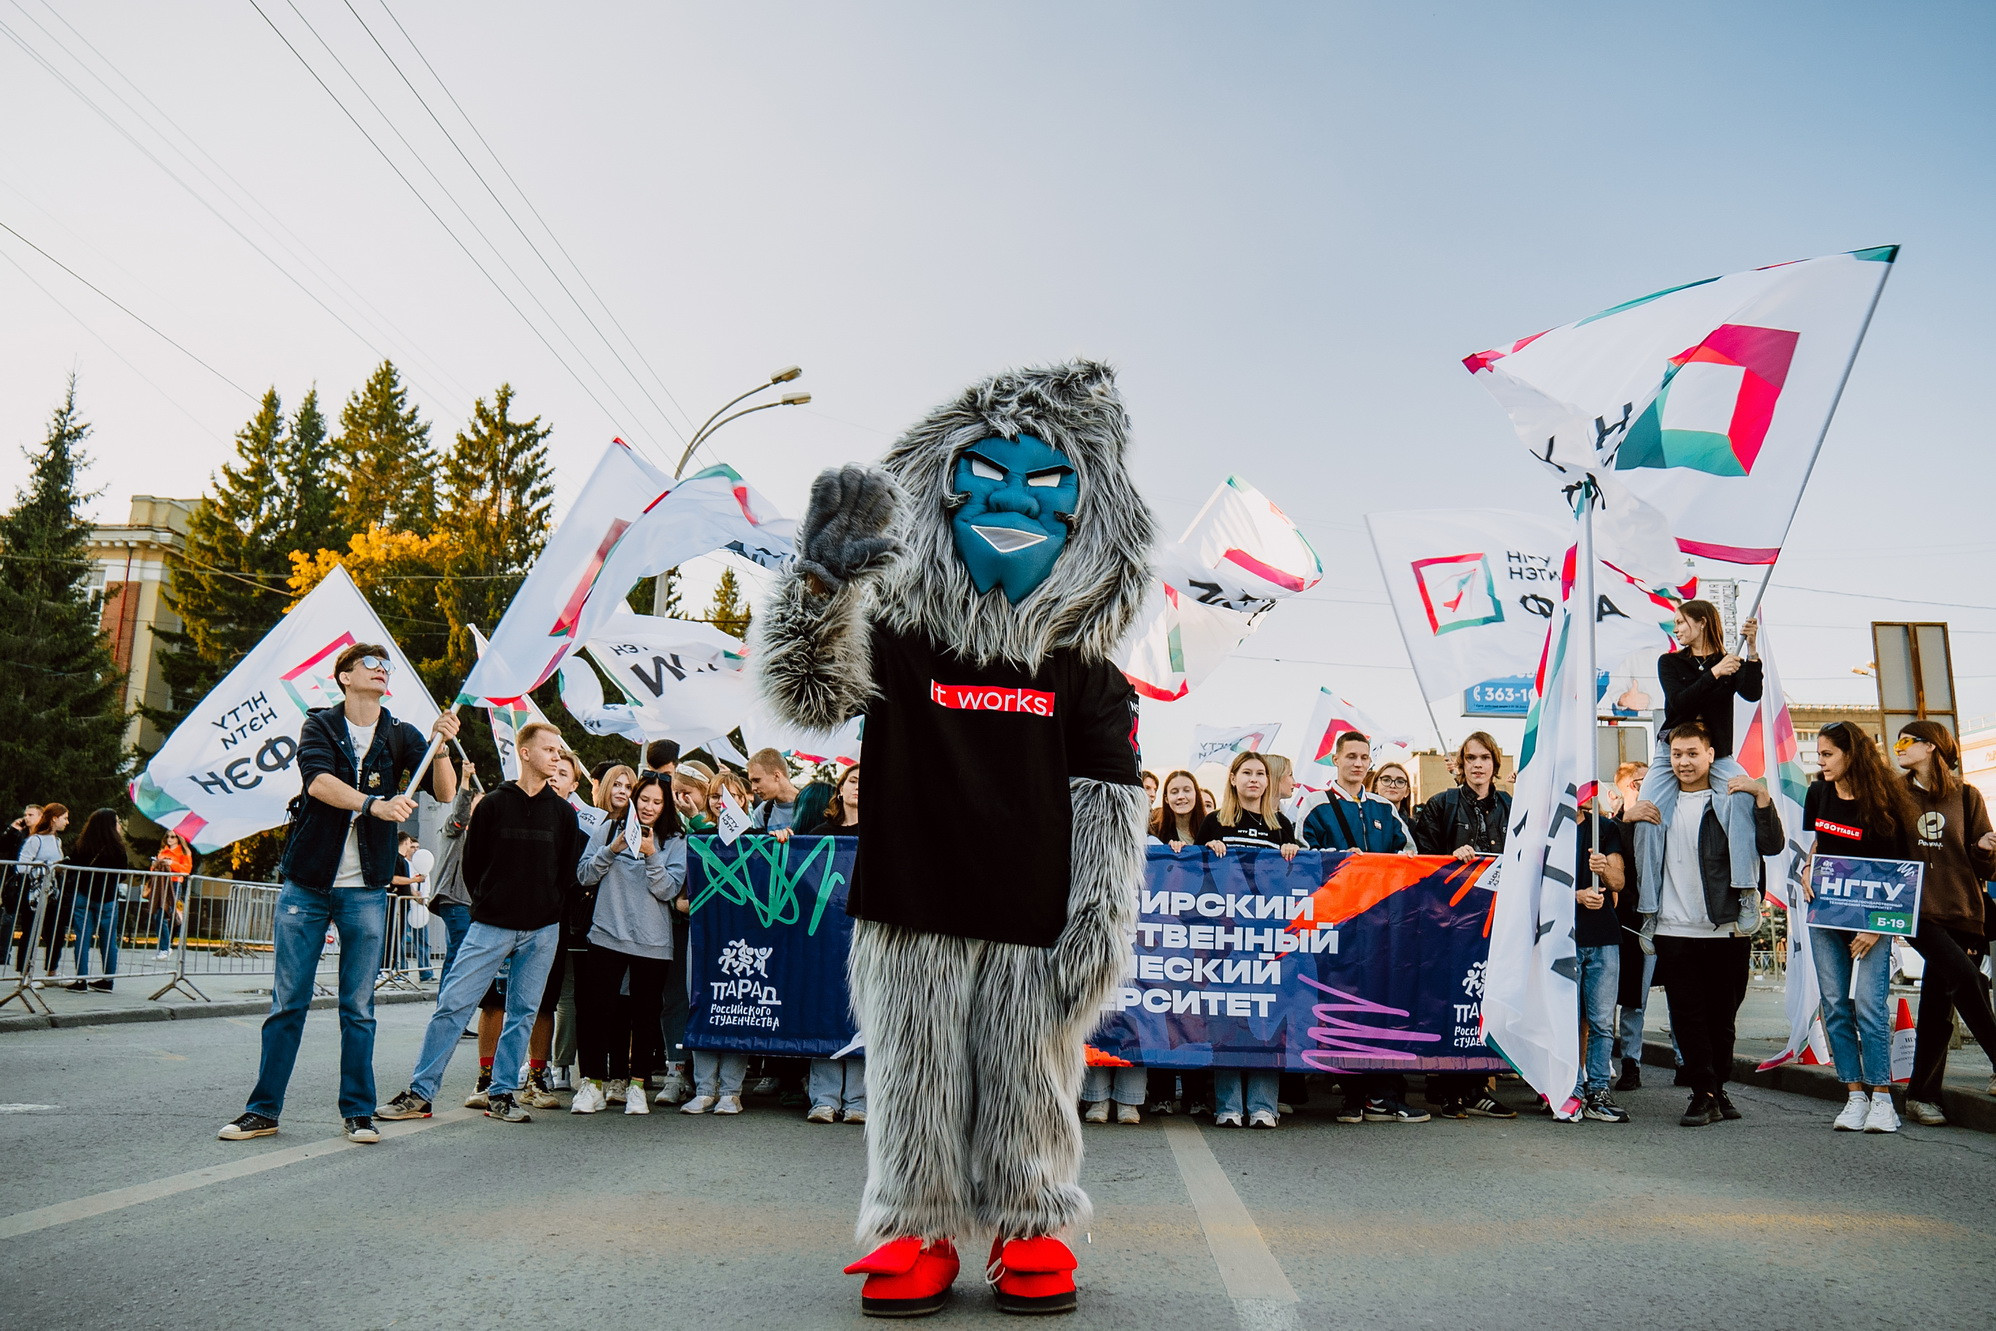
<point>1392,780</point>
<point>382,664</point>
<point>1905,742</point>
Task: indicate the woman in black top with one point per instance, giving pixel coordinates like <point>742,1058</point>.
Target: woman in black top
<point>1248,814</point>
<point>103,857</point>
<point>1699,684</point>
<point>1857,807</point>
<point>842,812</point>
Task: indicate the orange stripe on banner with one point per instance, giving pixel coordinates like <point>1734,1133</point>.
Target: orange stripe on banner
<point>1360,882</point>
<point>1477,868</point>
<point>1095,1058</point>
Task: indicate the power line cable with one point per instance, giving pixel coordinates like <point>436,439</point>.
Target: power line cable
<point>128,311</point>
<point>485,272</point>
<point>309,259</point>
<point>508,213</point>
<point>193,193</point>
<point>526,199</point>
<point>172,401</point>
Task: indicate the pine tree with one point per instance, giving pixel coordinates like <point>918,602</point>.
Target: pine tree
<point>643,597</point>
<point>310,483</point>
<point>498,487</point>
<point>62,717</point>
<point>386,466</point>
<point>729,611</point>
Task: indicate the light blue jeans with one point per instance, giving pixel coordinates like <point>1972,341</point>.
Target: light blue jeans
<point>1629,1036</point>
<point>478,961</point>
<point>299,937</point>
<point>718,1071</point>
<point>1600,977</point>
<point>1263,1085</point>
<point>1125,1086</point>
<point>838,1082</point>
<point>1860,1029</point>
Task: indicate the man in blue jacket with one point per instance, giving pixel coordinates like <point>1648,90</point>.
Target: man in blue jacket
<point>1350,816</point>
<point>352,761</point>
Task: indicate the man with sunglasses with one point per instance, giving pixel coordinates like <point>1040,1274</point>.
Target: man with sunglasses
<point>338,859</point>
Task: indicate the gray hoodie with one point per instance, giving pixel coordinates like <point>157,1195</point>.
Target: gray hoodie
<point>633,898</point>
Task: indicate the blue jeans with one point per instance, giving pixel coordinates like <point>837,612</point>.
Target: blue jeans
<point>1629,1034</point>
<point>416,949</point>
<point>1860,1029</point>
<point>1262,1085</point>
<point>485,948</point>
<point>97,923</point>
<point>166,900</point>
<point>839,1082</point>
<point>299,933</point>
<point>718,1071</point>
<point>1600,978</point>
<point>1125,1086</point>
<point>457,920</point>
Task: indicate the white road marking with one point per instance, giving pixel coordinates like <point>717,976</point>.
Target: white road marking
<point>62,1213</point>
<point>26,1109</point>
<point>1262,1294</point>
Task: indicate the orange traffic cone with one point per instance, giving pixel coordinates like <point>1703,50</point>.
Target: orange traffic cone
<point>1902,1043</point>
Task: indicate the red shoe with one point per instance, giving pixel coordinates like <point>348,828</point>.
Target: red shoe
<point>1032,1275</point>
<point>905,1279</point>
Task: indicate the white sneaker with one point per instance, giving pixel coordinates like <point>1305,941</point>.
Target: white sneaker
<point>856,1116</point>
<point>588,1098</point>
<point>1261,1118</point>
<point>699,1104</point>
<point>1926,1115</point>
<point>821,1114</point>
<point>1226,1120</point>
<point>561,1079</point>
<point>1883,1117</point>
<point>1854,1113</point>
<point>728,1104</point>
<point>1097,1112</point>
<point>162,956</point>
<point>615,1093</point>
<point>1128,1114</point>
<point>678,1087</point>
<point>634,1099</point>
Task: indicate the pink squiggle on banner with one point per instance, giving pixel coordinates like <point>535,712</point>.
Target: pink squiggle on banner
<point>1336,1032</point>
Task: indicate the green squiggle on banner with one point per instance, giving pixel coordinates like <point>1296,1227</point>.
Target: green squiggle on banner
<point>728,876</point>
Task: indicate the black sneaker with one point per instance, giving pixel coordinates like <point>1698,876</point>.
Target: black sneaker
<point>1632,1076</point>
<point>248,1126</point>
<point>1727,1109</point>
<point>100,986</point>
<point>1485,1105</point>
<point>1603,1110</point>
<point>1703,1109</point>
<point>362,1130</point>
<point>1353,1110</point>
<point>504,1108</point>
<point>1451,1108</point>
<point>1393,1111</point>
<point>406,1105</point>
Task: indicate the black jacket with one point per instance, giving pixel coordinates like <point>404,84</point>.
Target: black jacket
<point>1715,861</point>
<point>319,830</point>
<point>520,857</point>
<point>1692,692</point>
<point>1452,819</point>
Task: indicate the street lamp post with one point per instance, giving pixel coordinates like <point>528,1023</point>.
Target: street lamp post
<point>706,432</point>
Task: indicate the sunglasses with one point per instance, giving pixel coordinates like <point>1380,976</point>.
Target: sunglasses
<point>386,667</point>
<point>1905,742</point>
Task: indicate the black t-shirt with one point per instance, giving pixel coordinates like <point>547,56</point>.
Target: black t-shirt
<point>1840,827</point>
<point>969,825</point>
<point>1599,926</point>
<point>1251,830</point>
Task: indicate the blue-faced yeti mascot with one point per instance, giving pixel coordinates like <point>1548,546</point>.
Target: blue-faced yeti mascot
<point>965,596</point>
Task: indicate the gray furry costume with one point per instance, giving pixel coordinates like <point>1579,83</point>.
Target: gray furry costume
<point>974,1043</point>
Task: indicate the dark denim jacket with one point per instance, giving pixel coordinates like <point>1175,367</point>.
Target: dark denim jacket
<point>319,832</point>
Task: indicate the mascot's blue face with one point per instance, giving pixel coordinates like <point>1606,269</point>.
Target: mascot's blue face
<point>1012,501</point>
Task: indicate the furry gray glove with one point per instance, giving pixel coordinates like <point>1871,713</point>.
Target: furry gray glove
<point>843,534</point>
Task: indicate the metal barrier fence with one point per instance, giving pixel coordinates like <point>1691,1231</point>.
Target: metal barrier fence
<point>65,926</point>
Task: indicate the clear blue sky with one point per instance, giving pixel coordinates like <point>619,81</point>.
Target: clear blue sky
<point>1286,223</point>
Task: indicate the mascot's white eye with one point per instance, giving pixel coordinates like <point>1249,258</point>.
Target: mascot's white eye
<point>1047,478</point>
<point>983,470</point>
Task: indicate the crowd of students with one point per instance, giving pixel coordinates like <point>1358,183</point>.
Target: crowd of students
<point>84,895</point>
<point>1670,883</point>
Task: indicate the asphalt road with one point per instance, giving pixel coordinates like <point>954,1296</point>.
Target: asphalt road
<point>671,1221</point>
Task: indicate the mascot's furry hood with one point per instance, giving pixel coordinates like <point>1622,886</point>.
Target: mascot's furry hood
<point>1099,581</point>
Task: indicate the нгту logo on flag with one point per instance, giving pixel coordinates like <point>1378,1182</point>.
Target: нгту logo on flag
<point>1458,592</point>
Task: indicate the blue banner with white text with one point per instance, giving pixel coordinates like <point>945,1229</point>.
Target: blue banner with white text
<point>769,937</point>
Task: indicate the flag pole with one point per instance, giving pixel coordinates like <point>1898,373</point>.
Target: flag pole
<point>1584,586</point>
<point>429,756</point>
